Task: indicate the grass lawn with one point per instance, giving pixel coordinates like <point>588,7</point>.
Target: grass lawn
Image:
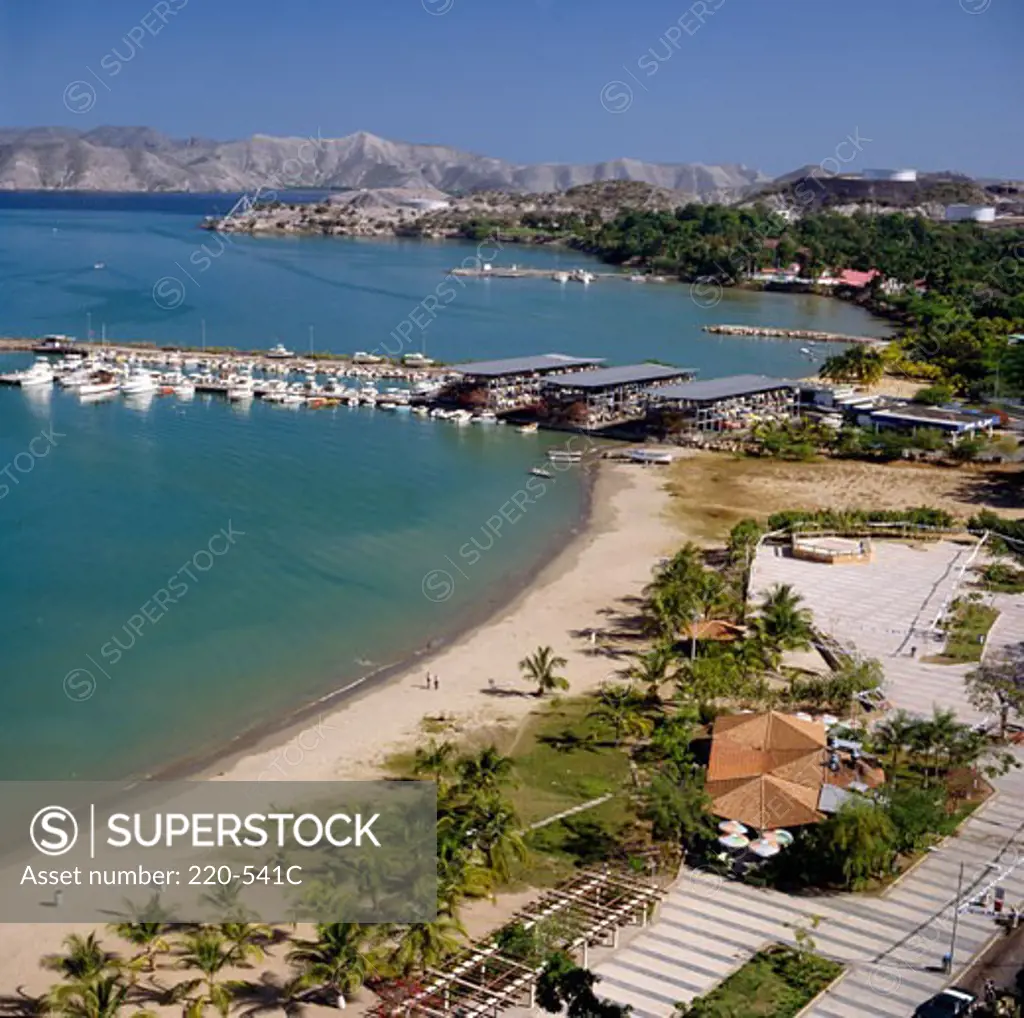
<point>775,983</point>
<point>965,639</point>
<point>562,759</point>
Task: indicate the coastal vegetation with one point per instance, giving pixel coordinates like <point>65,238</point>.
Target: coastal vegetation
<point>778,982</point>
<point>966,629</point>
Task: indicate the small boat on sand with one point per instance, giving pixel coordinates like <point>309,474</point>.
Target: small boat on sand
<point>564,456</point>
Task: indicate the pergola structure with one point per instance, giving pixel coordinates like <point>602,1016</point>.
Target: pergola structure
<point>482,980</point>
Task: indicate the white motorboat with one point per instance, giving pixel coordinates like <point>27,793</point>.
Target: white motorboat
<point>541,472</point>
<point>279,352</point>
<point>101,383</point>
<point>460,417</point>
<point>528,429</point>
<point>419,410</point>
<point>241,390</point>
<point>484,417</point>
<point>73,379</point>
<point>564,456</point>
<point>185,389</point>
<point>41,373</point>
<point>293,399</point>
<point>561,277</point>
<point>138,383</point>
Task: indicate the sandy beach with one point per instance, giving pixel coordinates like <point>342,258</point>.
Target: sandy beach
<point>629,530</point>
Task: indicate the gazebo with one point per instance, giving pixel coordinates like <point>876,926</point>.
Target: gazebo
<point>767,770</point>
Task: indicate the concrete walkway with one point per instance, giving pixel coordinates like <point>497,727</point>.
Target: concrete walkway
<point>884,608</point>
<point>892,943</point>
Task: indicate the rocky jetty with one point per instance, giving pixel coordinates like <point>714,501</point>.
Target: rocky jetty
<point>808,335</point>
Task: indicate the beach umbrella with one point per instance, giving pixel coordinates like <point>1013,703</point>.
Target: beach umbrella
<point>735,841</point>
<point>732,827</point>
<point>765,849</point>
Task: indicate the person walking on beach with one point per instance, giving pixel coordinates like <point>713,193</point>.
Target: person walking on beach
<point>437,684</point>
<point>428,680</point>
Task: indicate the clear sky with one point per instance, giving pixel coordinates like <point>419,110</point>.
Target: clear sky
<point>933,84</point>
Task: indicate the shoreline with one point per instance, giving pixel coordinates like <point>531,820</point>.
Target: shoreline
<point>617,539</point>
<point>268,735</point>
<point>608,560</point>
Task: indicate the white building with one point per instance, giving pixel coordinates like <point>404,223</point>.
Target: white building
<point>979,213</point>
<point>906,174</point>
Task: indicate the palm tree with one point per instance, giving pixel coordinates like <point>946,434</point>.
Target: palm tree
<point>622,709</point>
<point>100,997</point>
<point>541,667</point>
<point>651,669</point>
<point>894,734</point>
<point>932,737</point>
<point>226,900</point>
<point>150,937</point>
<point>486,771</point>
<point>423,945</point>
<point>84,961</point>
<point>246,939</point>
<point>339,960</point>
<point>782,623</point>
<point>210,953</point>
<point>436,760</point>
<point>498,835</point>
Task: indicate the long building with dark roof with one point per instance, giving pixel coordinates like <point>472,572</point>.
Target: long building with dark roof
<point>607,396</point>
<point>514,382</point>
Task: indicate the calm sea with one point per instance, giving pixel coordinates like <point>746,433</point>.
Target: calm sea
<point>173,575</point>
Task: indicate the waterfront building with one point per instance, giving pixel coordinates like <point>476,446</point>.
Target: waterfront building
<point>956,423</point>
<point>722,404</point>
<point>593,399</point>
<point>510,384</point>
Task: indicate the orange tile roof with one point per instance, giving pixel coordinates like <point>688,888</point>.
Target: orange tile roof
<point>765,802</point>
<point>766,770</point>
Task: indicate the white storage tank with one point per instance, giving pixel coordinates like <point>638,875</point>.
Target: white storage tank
<point>905,174</point>
<point>979,213</point>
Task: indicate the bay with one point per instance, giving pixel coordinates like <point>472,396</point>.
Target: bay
<point>347,526</point>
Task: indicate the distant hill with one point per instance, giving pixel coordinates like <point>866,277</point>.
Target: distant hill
<point>141,159</point>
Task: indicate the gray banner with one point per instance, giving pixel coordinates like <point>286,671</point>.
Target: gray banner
<point>214,851</point>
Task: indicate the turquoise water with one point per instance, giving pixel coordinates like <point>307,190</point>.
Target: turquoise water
<point>108,667</point>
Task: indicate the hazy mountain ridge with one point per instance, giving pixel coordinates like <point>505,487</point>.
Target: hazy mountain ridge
<point>141,159</point>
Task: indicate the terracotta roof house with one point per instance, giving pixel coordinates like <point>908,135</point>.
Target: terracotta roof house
<point>770,770</point>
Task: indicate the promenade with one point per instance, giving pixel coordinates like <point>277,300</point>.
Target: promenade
<point>891,943</point>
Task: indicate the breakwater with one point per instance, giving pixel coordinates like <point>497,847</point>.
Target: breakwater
<point>808,335</point>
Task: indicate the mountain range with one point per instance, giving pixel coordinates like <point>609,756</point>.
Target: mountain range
<point>141,159</point>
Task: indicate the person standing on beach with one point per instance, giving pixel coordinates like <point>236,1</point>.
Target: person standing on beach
<point>437,683</point>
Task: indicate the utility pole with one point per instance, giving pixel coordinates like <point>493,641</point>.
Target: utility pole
<point>956,916</point>
<point>202,326</point>
<point>311,341</point>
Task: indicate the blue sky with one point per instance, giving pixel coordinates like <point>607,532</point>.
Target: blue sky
<point>936,84</point>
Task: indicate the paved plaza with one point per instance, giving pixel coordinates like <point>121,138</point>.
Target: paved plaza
<point>886,609</point>
<point>892,943</point>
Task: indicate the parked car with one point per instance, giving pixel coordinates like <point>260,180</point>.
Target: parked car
<point>947,1004</point>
